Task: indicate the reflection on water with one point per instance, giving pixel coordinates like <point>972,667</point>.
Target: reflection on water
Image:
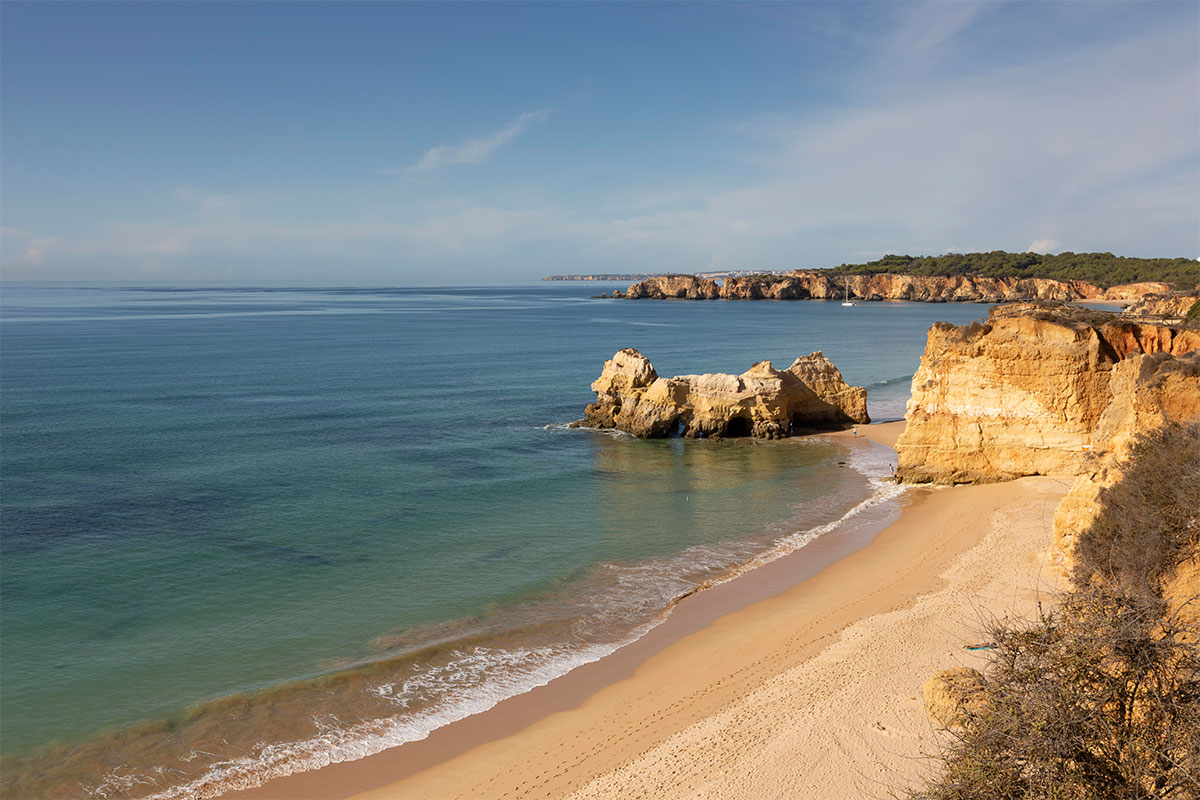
<point>226,532</point>
<point>732,498</point>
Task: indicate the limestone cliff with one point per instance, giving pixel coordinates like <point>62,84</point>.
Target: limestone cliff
<point>687,287</point>
<point>1147,392</point>
<point>762,402</point>
<point>821,285</point>
<point>1022,394</point>
<point>1174,305</point>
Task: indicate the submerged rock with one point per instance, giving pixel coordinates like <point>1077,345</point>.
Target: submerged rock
<point>762,402</point>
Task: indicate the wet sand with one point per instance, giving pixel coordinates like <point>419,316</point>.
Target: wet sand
<point>790,681</point>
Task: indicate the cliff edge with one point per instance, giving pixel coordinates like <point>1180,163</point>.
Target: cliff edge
<point>820,285</point>
<point>1023,393</point>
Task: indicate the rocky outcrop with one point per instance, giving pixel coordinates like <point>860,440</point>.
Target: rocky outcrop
<point>687,287</point>
<point>1147,392</point>
<point>821,285</point>
<point>1175,305</point>
<point>1133,291</point>
<point>817,373</point>
<point>762,402</point>
<point>1022,394</point>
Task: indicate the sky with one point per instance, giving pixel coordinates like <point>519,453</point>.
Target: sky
<point>461,143</point>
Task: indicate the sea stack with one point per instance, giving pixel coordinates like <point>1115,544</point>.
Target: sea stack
<point>762,402</point>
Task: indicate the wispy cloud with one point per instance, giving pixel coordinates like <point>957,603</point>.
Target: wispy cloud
<point>1041,246</point>
<point>929,25</point>
<point>214,201</point>
<point>1097,148</point>
<point>475,151</point>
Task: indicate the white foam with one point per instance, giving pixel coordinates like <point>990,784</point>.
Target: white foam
<point>567,426</point>
<point>870,459</point>
<point>337,742</point>
<point>478,678</point>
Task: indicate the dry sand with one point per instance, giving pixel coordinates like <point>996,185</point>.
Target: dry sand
<point>814,692</point>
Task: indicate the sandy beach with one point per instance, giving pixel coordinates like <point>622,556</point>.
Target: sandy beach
<point>813,691</point>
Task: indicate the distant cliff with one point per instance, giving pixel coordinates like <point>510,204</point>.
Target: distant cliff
<point>824,285</point>
<point>1174,305</point>
<point>1024,394</point>
<point>762,402</point>
<point>624,276</point>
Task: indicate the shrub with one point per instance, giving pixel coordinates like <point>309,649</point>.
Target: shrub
<point>1099,698</point>
<point>1149,517</point>
<point>1096,700</point>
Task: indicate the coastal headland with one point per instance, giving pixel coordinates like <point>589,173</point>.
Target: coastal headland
<point>785,682</point>
<point>824,285</point>
<point>995,277</point>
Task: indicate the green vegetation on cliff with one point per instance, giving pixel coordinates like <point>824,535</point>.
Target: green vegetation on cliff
<point>1103,269</point>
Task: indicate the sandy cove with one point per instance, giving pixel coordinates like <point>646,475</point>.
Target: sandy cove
<point>811,692</point>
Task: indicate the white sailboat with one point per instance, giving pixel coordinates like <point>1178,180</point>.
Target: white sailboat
<point>847,301</point>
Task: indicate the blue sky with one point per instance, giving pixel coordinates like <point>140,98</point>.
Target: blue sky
<point>489,143</point>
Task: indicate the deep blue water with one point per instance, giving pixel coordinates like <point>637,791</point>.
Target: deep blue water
<point>207,492</point>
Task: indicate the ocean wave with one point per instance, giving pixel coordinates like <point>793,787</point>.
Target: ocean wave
<point>890,382</point>
<point>340,742</point>
<point>612,433</point>
<point>871,460</point>
<point>635,598</point>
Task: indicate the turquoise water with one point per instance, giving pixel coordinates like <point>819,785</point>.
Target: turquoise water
<point>368,497</point>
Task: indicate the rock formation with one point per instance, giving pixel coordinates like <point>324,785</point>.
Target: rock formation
<point>821,285</point>
<point>762,402</point>
<point>687,287</point>
<point>1174,305</point>
<point>1147,392</point>
<point>1022,394</point>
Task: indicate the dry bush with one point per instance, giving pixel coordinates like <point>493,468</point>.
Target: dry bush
<point>1147,519</point>
<point>1098,699</point>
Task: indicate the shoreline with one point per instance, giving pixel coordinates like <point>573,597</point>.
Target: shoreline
<point>589,724</point>
<point>692,612</point>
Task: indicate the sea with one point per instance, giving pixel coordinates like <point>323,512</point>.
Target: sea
<point>247,531</point>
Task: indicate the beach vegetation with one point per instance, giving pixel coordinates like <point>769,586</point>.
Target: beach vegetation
<point>1149,518</point>
<point>1098,698</point>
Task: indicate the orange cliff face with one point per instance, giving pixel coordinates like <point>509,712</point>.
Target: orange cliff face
<point>1067,391</point>
<point>1022,394</point>
<point>762,402</point>
<point>1174,305</point>
<point>820,285</point>
<point>684,287</point>
<point>1146,392</point>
